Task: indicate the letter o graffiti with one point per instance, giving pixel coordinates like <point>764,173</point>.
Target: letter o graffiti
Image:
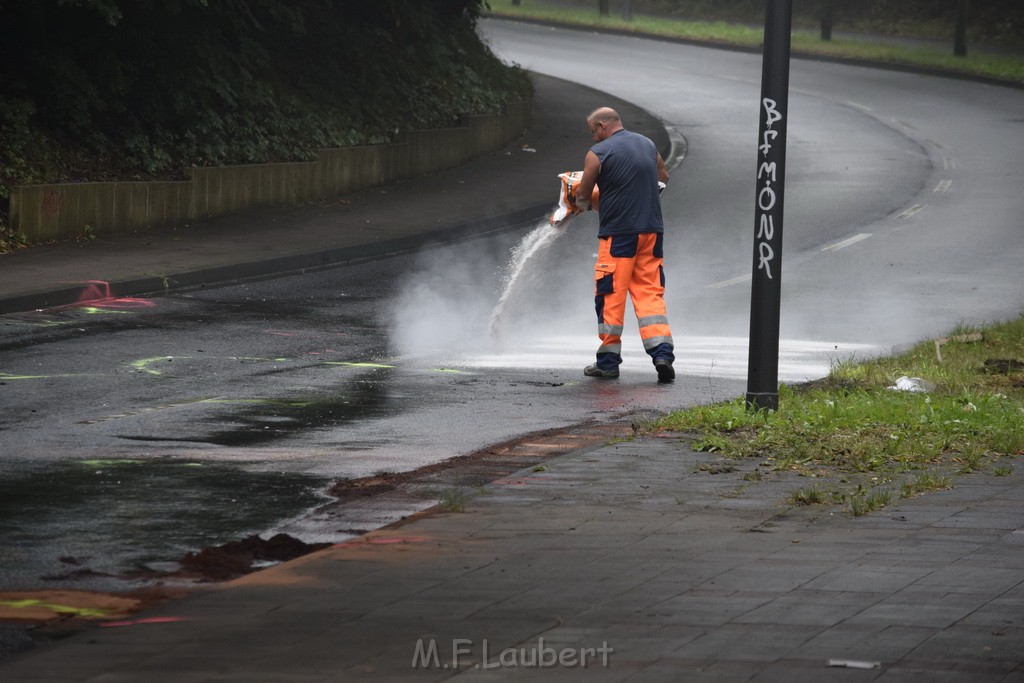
<point>770,194</point>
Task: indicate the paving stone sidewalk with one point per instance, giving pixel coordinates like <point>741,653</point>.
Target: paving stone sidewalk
<point>632,557</point>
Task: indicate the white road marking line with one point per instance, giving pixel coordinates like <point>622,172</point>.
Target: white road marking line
<point>858,105</point>
<point>847,242</point>
<point>916,208</point>
<point>943,185</point>
<point>726,283</point>
<point>949,163</point>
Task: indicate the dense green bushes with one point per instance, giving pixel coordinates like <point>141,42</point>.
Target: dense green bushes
<point>104,89</point>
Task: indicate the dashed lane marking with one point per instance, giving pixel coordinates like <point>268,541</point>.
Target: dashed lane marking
<point>847,242</point>
<point>916,208</point>
<point>727,283</point>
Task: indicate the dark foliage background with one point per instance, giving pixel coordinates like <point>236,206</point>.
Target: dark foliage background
<point>103,89</point>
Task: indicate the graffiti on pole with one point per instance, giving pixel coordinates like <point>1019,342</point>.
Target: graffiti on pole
<point>766,196</point>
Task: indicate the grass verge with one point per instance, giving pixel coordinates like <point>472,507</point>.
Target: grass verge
<point>877,443</point>
<point>1008,68</point>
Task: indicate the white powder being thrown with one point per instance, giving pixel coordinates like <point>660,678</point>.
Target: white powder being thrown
<point>530,245</point>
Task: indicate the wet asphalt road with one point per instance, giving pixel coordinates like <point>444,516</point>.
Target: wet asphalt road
<point>140,429</point>
<point>903,202</point>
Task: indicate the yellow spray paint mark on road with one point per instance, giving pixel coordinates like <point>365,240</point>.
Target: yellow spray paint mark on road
<point>61,609</point>
<point>114,462</point>
<point>6,376</point>
<point>144,411</point>
<point>143,364</point>
<point>452,370</point>
<point>259,401</point>
<point>110,462</point>
<point>358,365</point>
<point>96,310</point>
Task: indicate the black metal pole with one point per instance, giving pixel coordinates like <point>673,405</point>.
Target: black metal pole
<point>766,288</point>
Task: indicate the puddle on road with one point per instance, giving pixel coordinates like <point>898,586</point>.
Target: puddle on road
<point>78,518</point>
<point>258,421</point>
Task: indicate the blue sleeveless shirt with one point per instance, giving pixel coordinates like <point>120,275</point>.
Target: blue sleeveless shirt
<point>628,183</point>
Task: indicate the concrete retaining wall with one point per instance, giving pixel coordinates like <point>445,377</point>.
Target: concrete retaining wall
<point>60,211</point>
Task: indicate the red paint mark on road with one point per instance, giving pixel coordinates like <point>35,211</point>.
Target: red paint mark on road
<point>97,294</point>
<point>145,620</point>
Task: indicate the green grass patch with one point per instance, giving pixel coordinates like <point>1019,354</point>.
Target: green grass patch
<point>865,501</point>
<point>453,500</point>
<point>924,482</point>
<point>810,496</point>
<point>1004,67</point>
<point>854,426</point>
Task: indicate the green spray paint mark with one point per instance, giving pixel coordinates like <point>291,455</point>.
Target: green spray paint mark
<point>143,364</point>
<point>144,411</point>
<point>62,609</point>
<point>6,376</point>
<point>257,401</point>
<point>114,462</point>
<point>94,310</point>
<point>111,462</point>
<point>358,365</point>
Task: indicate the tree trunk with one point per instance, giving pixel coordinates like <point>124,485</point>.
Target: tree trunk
<point>826,19</point>
<point>602,7</point>
<point>627,10</point>
<point>960,39</point>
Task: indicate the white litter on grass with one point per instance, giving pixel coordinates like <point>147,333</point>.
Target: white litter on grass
<point>913,384</point>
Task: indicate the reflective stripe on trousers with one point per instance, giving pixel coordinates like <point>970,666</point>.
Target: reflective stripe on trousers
<point>631,265</point>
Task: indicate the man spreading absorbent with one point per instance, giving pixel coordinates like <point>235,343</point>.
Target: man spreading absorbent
<point>627,169</point>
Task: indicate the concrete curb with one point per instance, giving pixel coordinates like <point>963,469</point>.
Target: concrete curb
<point>190,279</point>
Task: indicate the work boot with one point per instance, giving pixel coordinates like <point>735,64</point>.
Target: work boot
<point>594,371</point>
<point>665,372</point>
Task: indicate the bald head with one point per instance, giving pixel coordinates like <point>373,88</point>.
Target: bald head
<point>604,115</point>
<point>603,122</point>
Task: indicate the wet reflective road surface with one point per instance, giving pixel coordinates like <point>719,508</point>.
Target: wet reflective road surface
<point>138,430</point>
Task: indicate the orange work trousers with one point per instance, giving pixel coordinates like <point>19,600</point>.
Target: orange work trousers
<point>631,265</point>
